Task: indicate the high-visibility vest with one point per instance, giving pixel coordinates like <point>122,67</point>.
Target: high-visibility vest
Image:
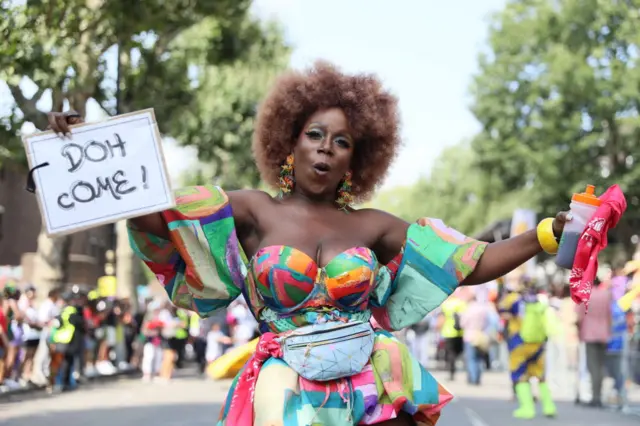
<point>64,333</point>
<point>451,308</point>
<point>183,332</point>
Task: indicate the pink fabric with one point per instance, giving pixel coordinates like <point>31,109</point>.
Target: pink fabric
<point>241,408</point>
<point>593,240</point>
<point>475,320</point>
<point>595,326</point>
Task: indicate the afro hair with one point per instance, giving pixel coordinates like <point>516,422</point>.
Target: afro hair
<point>372,113</point>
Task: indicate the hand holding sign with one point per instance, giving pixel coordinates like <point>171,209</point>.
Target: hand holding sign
<point>59,122</point>
<point>102,173</point>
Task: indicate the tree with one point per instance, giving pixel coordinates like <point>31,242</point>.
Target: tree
<point>167,53</point>
<point>557,97</point>
<point>456,191</point>
<point>177,57</point>
<point>221,126</point>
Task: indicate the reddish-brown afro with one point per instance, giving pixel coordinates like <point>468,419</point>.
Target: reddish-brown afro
<point>372,113</point>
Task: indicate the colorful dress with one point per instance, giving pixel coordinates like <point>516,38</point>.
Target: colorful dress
<point>204,268</point>
<point>526,360</point>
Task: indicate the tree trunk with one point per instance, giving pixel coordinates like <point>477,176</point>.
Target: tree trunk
<point>127,269</point>
<point>51,262</point>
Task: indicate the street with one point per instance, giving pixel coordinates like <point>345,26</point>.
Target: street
<point>193,401</point>
<point>491,405</point>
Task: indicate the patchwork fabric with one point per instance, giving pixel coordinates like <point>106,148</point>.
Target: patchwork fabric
<point>203,268</point>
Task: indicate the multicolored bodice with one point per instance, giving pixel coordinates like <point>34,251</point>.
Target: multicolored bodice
<point>203,267</point>
<point>288,280</point>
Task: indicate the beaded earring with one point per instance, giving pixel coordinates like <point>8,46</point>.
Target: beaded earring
<point>287,180</point>
<point>345,198</point>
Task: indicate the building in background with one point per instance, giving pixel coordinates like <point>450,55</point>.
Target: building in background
<point>20,224</point>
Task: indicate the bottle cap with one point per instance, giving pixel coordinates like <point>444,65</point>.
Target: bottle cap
<point>587,197</point>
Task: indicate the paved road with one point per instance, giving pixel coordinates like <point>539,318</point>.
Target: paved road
<point>491,405</point>
<point>193,402</point>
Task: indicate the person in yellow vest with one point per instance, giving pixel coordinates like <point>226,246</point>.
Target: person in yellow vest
<point>65,342</point>
<point>198,335</point>
<point>451,331</point>
<point>527,329</point>
<point>182,337</point>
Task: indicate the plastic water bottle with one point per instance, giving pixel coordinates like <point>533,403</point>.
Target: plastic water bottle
<point>582,208</point>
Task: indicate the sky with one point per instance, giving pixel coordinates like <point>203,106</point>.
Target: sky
<point>425,52</point>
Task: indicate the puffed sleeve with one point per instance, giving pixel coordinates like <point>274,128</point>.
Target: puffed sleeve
<point>435,259</point>
<point>202,266</point>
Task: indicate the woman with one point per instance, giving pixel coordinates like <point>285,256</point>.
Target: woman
<point>32,332</point>
<point>475,323</point>
<point>15,334</point>
<point>152,352</point>
<point>319,267</point>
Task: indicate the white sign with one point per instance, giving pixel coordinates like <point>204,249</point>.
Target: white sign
<point>104,173</point>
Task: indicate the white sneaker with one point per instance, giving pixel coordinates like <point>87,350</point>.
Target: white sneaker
<point>12,384</point>
<point>105,368</point>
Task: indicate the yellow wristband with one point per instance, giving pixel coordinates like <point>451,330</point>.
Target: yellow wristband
<point>546,237</point>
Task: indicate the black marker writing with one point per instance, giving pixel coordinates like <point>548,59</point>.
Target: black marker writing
<point>66,152</point>
<point>121,182</point>
<point>84,192</point>
<point>145,185</point>
<point>93,151</point>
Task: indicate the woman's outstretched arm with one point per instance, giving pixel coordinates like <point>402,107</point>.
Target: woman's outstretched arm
<point>504,256</point>
<point>498,259</point>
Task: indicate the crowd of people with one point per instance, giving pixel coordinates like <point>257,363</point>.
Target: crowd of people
<point>65,338</point>
<point>73,335</point>
<point>169,336</point>
<point>487,332</point>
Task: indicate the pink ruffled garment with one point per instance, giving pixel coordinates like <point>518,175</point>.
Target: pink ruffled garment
<point>241,412</point>
<point>592,241</point>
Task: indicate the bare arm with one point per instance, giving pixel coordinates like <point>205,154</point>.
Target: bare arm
<point>391,231</point>
<point>504,256</point>
<point>498,259</point>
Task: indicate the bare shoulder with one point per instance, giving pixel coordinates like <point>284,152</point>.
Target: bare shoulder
<point>379,217</point>
<point>249,196</point>
<point>246,202</point>
<point>390,231</point>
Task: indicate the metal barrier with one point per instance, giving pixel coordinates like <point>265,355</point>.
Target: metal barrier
<point>633,360</point>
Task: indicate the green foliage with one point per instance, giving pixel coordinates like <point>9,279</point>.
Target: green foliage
<point>557,97</point>
<point>221,124</point>
<point>456,191</point>
<point>202,65</point>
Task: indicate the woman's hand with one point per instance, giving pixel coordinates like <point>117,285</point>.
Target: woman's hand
<point>59,122</point>
<point>559,222</point>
